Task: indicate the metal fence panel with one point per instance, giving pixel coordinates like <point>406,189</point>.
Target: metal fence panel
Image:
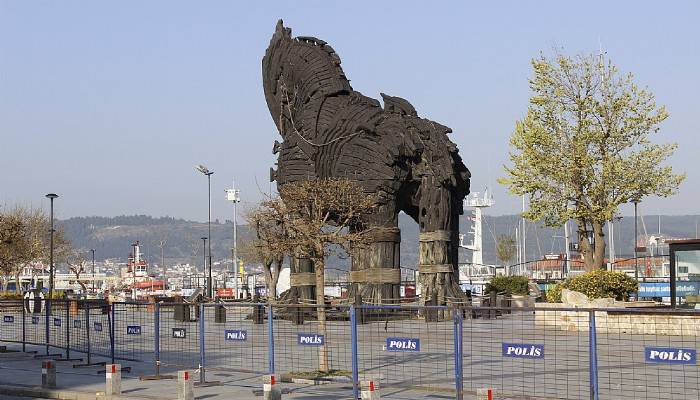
<point>133,331</point>
<point>179,336</point>
<point>302,346</point>
<point>57,311</point>
<point>77,328</point>
<point>35,326</point>
<point>397,347</point>
<point>99,326</point>
<point>11,321</point>
<point>233,341</point>
<point>520,353</point>
<point>648,354</point>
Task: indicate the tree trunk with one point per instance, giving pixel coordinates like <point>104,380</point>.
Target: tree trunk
<point>271,278</point>
<point>319,266</point>
<point>599,245</point>
<point>593,254</point>
<point>18,289</point>
<point>267,270</point>
<point>585,246</point>
<point>275,277</point>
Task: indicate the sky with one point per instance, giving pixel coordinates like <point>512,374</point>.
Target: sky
<point>112,104</point>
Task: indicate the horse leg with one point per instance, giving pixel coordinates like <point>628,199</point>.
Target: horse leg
<point>438,243</point>
<point>375,270</point>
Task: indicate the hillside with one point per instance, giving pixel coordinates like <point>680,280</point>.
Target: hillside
<point>112,237</point>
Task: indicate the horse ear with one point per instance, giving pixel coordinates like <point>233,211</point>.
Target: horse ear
<point>281,29</point>
<point>398,105</point>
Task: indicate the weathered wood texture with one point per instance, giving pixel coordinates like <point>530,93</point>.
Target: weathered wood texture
<point>330,130</point>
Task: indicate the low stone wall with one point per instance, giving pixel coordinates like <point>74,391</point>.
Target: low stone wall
<point>619,322</point>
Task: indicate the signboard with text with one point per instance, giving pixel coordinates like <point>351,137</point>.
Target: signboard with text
<point>663,289</point>
<point>133,330</point>
<point>522,350</point>
<point>670,355</point>
<point>236,335</point>
<point>310,339</point>
<point>402,344</point>
<point>179,333</point>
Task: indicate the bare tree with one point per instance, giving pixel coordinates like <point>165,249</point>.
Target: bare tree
<point>312,219</point>
<point>11,237</point>
<point>25,240</point>
<point>258,250</point>
<point>77,265</point>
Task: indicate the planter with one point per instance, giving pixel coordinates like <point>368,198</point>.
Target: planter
<point>522,301</point>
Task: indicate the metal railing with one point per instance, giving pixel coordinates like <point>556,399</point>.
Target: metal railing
<point>520,353</point>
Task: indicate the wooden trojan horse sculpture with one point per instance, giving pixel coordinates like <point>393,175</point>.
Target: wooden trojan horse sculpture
<point>330,130</point>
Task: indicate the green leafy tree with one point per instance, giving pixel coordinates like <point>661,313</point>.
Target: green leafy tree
<point>584,147</point>
<point>505,248</point>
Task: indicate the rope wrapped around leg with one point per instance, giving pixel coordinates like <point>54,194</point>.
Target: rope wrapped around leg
<point>434,269</point>
<point>302,279</point>
<point>376,275</point>
<point>435,236</point>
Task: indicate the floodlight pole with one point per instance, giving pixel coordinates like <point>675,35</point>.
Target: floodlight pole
<point>93,270</point>
<point>205,171</point>
<point>51,196</point>
<point>636,264</point>
<point>133,271</point>
<point>233,196</point>
<point>204,250</point>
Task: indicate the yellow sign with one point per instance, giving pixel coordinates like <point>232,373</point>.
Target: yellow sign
<point>241,269</point>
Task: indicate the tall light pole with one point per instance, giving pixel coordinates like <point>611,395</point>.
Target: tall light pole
<point>205,171</point>
<point>204,246</point>
<point>636,265</point>
<point>233,195</point>
<point>133,271</point>
<point>51,196</point>
<point>93,270</point>
<point>162,262</point>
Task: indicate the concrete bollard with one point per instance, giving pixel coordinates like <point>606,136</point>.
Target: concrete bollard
<point>48,374</point>
<point>185,386</point>
<point>369,391</point>
<point>484,394</point>
<point>114,379</point>
<point>271,391</point>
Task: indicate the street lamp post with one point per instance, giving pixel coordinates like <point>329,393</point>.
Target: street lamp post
<point>204,271</point>
<point>93,270</point>
<point>205,171</point>
<point>233,196</point>
<point>51,196</point>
